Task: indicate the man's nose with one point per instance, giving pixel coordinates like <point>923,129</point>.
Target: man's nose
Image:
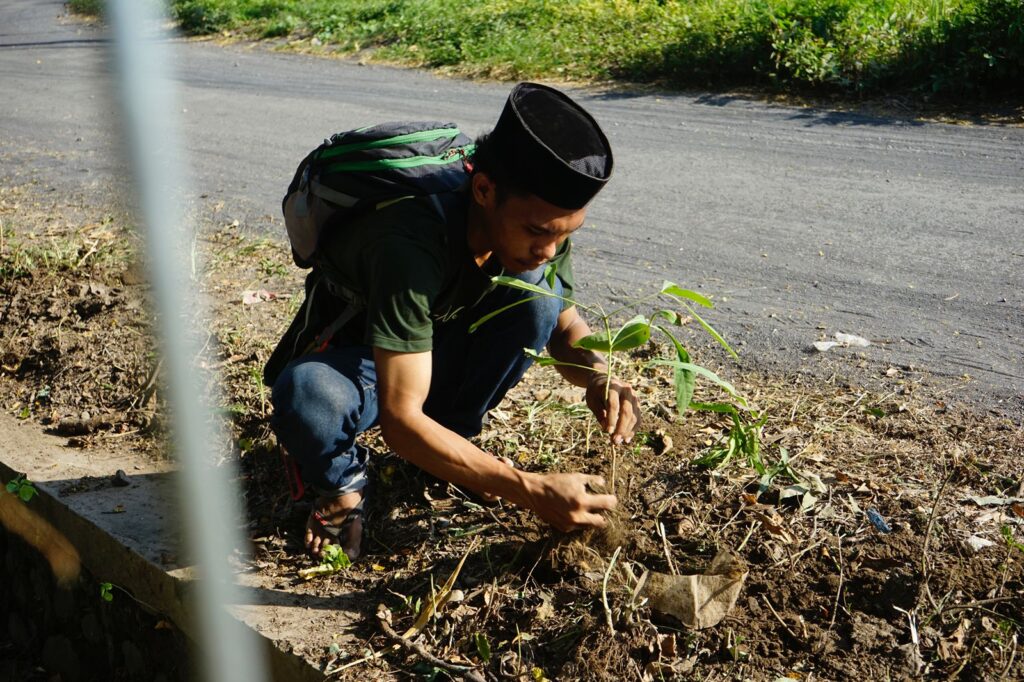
<point>545,250</point>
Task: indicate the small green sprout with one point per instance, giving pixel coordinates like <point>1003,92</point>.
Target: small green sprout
<point>106,592</point>
<point>1007,533</point>
<point>332,560</point>
<point>483,647</point>
<point>334,556</point>
<point>22,487</point>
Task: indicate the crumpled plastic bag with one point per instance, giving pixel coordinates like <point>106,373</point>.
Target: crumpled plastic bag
<point>844,340</point>
<point>703,600</point>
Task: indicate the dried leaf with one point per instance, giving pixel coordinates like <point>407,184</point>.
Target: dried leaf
<point>544,611</point>
<point>699,601</point>
<point>995,500</point>
<point>440,598</point>
<point>774,524</point>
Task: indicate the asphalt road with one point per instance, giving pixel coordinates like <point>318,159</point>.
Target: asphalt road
<point>802,223</point>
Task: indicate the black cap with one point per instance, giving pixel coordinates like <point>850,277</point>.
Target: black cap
<point>552,146</point>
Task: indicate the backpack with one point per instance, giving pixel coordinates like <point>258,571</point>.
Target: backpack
<point>358,170</point>
<point>350,174</point>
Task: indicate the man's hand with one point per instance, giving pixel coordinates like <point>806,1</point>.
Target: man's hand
<point>619,416</point>
<point>563,500</point>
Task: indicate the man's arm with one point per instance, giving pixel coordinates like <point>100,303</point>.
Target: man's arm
<point>619,414</point>
<point>403,384</point>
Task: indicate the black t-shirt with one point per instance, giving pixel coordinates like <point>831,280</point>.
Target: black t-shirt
<point>409,269</point>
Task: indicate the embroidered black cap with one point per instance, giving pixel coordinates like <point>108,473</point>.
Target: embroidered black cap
<point>552,146</point>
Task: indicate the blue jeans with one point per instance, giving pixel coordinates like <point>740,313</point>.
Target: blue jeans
<point>322,401</point>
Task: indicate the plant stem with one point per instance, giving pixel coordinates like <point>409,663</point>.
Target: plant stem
<point>607,392</point>
<point>604,592</point>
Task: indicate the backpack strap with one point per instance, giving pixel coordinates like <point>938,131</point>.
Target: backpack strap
<point>332,195</point>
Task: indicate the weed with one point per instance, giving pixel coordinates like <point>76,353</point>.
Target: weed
<point>22,487</point>
<point>106,592</point>
<point>548,459</point>
<point>332,560</point>
<point>273,268</point>
<point>483,647</point>
<point>1011,543</point>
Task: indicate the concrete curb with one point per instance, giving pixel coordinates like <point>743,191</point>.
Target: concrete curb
<point>127,536</point>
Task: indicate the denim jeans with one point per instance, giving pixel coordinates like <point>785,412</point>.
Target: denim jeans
<point>322,401</point>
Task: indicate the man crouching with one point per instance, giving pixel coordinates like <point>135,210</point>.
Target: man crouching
<point>408,361</point>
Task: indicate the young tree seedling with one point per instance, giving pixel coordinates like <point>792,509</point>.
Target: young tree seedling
<point>638,331</point>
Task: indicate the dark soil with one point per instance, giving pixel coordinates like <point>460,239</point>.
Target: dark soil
<point>829,595</point>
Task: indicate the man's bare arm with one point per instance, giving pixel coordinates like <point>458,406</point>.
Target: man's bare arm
<point>403,384</point>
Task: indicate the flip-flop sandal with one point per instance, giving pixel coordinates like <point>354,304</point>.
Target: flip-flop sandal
<point>336,531</point>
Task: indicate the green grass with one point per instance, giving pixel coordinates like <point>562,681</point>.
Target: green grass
<point>958,48</point>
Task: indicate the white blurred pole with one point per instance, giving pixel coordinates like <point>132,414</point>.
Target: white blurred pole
<point>209,502</point>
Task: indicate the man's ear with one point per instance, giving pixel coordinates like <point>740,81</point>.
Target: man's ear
<point>484,190</point>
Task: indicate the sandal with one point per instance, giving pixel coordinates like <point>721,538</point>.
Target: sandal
<point>340,532</point>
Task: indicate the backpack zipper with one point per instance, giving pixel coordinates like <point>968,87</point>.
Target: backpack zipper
<point>408,138</point>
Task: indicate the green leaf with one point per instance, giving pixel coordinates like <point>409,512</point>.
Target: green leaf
<point>704,372</point>
<point>12,486</point>
<point>483,647</point>
<point>550,273</point>
<point>547,361</point>
<point>26,492</point>
<point>335,557</point>
<point>598,341</point>
<point>513,283</point>
<point>722,408</point>
<point>710,330</point>
<point>684,380</point>
<point>540,360</point>
<point>633,334</point>
<point>670,315</point>
<point>678,292</point>
<point>494,313</point>
<point>105,592</point>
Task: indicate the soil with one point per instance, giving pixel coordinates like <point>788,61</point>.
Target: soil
<point>871,575</point>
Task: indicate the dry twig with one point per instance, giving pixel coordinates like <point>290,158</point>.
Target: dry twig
<point>779,618</point>
<point>466,672</point>
<point>604,591</point>
<point>928,537</point>
<point>668,551</point>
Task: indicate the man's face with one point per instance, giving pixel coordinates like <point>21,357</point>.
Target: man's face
<point>523,232</point>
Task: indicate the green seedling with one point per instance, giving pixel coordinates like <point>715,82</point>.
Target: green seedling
<point>613,340</point>
<point>22,487</point>
<point>1007,534</point>
<point>332,560</point>
<point>483,647</point>
<point>106,592</point>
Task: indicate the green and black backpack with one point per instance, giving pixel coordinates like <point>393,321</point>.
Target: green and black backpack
<point>358,170</point>
<point>350,174</point>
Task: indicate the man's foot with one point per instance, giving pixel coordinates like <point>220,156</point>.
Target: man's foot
<point>336,520</point>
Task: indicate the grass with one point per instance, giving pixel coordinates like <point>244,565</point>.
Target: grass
<point>957,48</point>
